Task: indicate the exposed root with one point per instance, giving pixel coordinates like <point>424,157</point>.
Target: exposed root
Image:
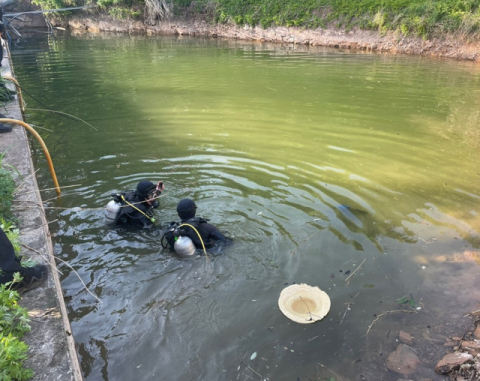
<point>157,10</point>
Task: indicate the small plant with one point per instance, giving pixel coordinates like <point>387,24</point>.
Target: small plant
<point>7,187</point>
<point>407,300</point>
<point>12,233</point>
<point>12,354</point>
<point>13,325</point>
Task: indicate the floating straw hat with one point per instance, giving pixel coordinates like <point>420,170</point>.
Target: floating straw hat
<point>304,304</point>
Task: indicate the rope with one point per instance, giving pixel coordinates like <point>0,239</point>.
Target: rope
<point>133,206</point>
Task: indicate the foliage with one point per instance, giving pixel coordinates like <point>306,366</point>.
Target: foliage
<point>4,93</point>
<point>12,354</point>
<point>121,13</point>
<point>12,233</point>
<point>7,187</point>
<point>13,325</point>
<point>13,318</point>
<point>410,17</point>
<point>423,18</point>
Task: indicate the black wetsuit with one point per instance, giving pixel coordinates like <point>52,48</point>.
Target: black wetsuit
<point>9,262</point>
<point>129,215</point>
<point>209,233</point>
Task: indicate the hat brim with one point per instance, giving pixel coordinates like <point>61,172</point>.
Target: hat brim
<point>304,304</point>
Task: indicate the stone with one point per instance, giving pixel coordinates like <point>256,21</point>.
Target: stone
<point>405,338</point>
<point>403,360</point>
<point>452,361</point>
<point>471,345</point>
<point>477,332</point>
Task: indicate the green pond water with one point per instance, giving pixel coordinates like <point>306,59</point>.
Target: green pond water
<point>319,164</point>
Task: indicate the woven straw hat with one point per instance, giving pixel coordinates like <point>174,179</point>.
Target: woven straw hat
<point>304,304</point>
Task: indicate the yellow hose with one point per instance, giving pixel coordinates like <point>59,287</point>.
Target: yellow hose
<point>40,140</point>
<point>19,91</point>
<point>199,236</point>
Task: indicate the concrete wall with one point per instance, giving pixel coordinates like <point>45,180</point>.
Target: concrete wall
<point>52,353</point>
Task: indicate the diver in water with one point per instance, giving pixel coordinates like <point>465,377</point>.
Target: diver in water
<point>135,208</point>
<point>196,228</point>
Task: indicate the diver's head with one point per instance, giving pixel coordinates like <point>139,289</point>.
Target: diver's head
<point>144,188</point>
<point>149,191</point>
<point>186,209</point>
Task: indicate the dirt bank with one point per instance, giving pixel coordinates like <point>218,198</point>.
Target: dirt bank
<point>356,39</point>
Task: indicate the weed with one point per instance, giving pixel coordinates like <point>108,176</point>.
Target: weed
<point>13,325</point>
<point>12,233</point>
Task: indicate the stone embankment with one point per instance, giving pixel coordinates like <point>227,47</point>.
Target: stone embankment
<point>368,41</point>
<point>52,354</point>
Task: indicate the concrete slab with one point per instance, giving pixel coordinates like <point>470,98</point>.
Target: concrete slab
<point>52,354</point>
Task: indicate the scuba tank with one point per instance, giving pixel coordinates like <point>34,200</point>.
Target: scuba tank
<point>184,246</point>
<point>112,211</point>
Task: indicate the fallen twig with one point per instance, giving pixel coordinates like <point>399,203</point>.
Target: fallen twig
<point>64,113</point>
<point>386,313</point>
<point>336,375</point>
<point>258,374</point>
<point>39,226</point>
<point>24,180</point>
<point>68,265</point>
<point>472,313</point>
<point>346,280</point>
<point>47,189</point>
<point>348,307</point>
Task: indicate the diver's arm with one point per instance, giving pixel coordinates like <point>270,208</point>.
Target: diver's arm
<point>216,234</point>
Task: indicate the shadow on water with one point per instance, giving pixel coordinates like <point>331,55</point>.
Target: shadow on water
<point>320,166</point>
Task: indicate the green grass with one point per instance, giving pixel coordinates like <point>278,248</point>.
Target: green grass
<point>424,18</point>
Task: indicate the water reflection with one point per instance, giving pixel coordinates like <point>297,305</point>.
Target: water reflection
<point>317,163</point>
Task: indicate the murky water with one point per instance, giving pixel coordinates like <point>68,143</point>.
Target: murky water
<point>317,163</point>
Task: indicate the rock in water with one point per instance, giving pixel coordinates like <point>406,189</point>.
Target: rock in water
<point>403,360</point>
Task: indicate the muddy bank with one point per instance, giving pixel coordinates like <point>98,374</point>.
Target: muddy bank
<point>355,40</point>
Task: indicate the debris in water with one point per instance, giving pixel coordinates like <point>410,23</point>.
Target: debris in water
<point>347,272</point>
<point>341,271</point>
<point>332,275</point>
<point>407,301</point>
<point>252,357</point>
